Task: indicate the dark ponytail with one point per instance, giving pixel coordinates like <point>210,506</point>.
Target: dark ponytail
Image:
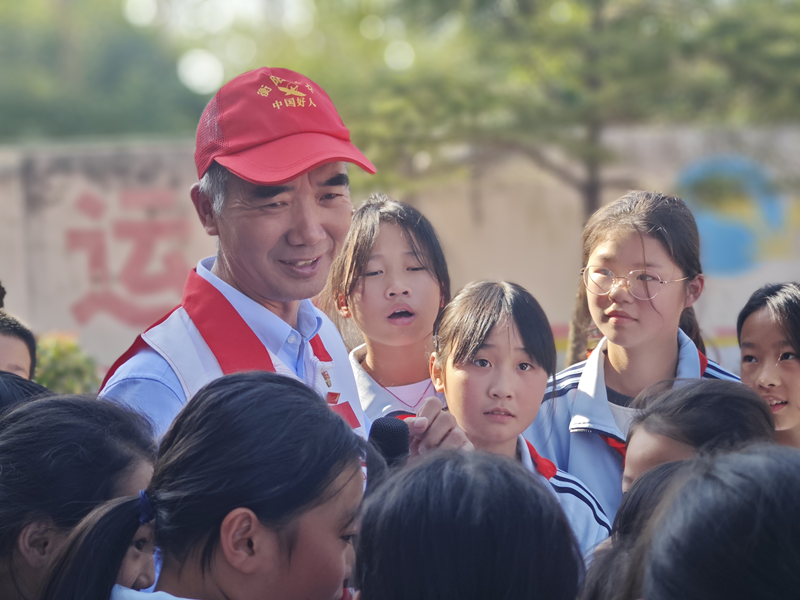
<point>60,457</point>
<point>256,440</point>
<point>88,565</point>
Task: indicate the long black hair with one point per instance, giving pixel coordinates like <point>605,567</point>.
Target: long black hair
<point>255,439</point>
<point>732,532</point>
<point>466,526</point>
<point>608,571</point>
<point>62,456</point>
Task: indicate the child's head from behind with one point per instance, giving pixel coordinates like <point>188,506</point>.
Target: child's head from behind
<point>647,237</point>
<point>391,276</point>
<point>466,526</point>
<point>676,423</point>
<point>731,532</point>
<point>59,458</point>
<point>494,352</point>
<point>768,329</point>
<point>258,484</point>
<point>17,347</point>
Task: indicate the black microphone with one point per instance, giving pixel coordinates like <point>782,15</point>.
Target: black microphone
<point>390,436</point>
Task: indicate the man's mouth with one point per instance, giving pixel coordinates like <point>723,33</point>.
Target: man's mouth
<point>301,263</point>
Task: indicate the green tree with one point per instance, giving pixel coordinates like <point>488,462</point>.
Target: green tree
<point>77,68</point>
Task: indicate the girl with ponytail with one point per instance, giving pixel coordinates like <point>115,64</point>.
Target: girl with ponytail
<point>642,274</point>
<point>255,494</point>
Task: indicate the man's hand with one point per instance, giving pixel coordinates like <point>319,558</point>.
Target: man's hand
<point>434,428</point>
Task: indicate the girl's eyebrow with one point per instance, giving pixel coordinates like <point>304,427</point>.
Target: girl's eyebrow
<point>647,265</point>
<point>351,516</point>
<point>378,255</point>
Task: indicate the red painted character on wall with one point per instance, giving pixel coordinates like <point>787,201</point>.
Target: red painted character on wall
<point>145,272</point>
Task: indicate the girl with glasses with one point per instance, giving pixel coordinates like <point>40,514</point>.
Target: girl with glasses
<point>642,274</point>
<point>768,329</point>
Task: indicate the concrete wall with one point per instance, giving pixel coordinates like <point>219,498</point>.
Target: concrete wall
<point>97,239</point>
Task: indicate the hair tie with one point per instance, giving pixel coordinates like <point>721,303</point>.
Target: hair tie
<point>146,512</point>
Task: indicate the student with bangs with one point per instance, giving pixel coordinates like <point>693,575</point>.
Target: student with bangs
<point>390,281</point>
<point>494,353</point>
<point>768,329</point>
<point>642,275</point>
<point>255,494</point>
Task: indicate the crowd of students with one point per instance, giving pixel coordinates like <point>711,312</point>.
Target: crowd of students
<point>645,471</point>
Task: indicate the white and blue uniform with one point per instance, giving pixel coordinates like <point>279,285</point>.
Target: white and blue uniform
<point>378,401</point>
<point>576,429</point>
<point>119,592</point>
<point>585,515</point>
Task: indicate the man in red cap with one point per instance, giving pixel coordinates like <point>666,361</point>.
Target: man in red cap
<point>271,155</point>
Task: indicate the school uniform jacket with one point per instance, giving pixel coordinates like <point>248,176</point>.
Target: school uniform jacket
<point>376,400</point>
<point>585,515</point>
<point>576,430</point>
<point>205,338</point>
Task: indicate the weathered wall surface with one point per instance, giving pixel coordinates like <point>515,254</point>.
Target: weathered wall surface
<point>98,239</point>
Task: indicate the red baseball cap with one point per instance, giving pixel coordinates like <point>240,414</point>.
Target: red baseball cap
<point>269,126</point>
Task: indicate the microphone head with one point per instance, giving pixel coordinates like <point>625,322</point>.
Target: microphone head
<point>390,436</point>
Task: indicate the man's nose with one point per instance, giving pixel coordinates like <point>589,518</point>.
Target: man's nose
<point>307,222</point>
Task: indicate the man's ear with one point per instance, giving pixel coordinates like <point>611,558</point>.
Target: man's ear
<point>437,374</point>
<point>341,306</point>
<point>204,206</point>
<point>694,289</point>
<point>247,545</point>
<point>38,543</point>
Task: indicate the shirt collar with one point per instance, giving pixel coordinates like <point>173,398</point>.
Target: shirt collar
<point>268,327</point>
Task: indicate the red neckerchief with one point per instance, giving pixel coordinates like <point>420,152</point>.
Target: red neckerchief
<point>621,447</point>
<point>541,464</point>
<point>234,345</point>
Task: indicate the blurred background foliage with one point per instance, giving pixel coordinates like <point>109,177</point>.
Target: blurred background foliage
<point>429,88</point>
<point>62,367</point>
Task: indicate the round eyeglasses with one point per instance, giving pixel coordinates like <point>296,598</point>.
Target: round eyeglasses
<point>643,285</point>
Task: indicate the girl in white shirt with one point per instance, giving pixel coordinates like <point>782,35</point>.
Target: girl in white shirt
<point>390,280</point>
<point>494,355</point>
<point>255,495</point>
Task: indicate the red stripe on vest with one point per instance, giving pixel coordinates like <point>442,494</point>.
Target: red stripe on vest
<point>543,466</point>
<point>137,346</point>
<point>231,341</point>
<point>235,346</point>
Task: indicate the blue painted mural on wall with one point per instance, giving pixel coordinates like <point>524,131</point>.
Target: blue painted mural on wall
<point>742,218</point>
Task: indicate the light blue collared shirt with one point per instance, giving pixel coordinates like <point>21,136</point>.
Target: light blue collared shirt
<point>148,384</point>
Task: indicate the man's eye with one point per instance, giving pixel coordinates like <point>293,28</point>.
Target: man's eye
<point>526,366</point>
<point>417,269</point>
<point>747,358</point>
<point>788,356</point>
